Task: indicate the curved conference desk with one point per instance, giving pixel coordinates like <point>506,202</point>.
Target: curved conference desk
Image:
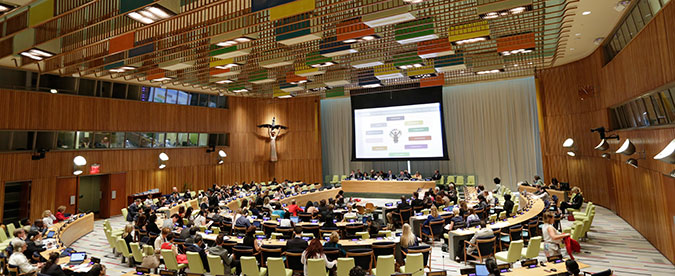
<point>69,232</point>
<point>456,237</point>
<point>396,187</point>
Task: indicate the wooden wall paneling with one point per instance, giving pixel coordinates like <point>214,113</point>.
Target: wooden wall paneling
<point>637,195</point>
<point>117,182</point>
<point>67,187</point>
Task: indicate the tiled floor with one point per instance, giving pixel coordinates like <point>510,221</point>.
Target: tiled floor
<point>612,243</point>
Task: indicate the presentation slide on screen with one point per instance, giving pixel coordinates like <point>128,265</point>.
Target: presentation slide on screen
<point>410,131</point>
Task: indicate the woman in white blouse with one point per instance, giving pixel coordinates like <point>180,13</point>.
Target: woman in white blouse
<point>315,251</point>
<point>18,259</point>
<point>48,218</point>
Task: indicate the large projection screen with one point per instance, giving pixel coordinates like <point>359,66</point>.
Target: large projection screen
<point>401,125</point>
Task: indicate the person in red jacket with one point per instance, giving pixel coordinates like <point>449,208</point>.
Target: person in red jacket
<point>59,213</point>
<point>294,208</point>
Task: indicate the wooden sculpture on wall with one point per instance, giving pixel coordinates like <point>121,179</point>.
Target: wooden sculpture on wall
<point>274,131</point>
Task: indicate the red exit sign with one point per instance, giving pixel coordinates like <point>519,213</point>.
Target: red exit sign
<point>95,169</point>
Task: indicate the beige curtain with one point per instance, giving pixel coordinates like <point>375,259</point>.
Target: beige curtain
<point>491,130</point>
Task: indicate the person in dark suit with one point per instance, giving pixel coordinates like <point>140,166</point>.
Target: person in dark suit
<point>508,204</point>
<point>394,215</point>
<point>574,203</point>
<point>296,244</point>
<point>33,248</point>
<point>198,246</point>
<point>133,210</point>
<point>436,176</point>
<point>359,174</point>
<point>51,267</point>
<point>327,218</point>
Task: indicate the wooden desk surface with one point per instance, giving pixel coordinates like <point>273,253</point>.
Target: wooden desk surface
<point>385,187</point>
<point>537,207</point>
<point>541,270</point>
<point>275,242</point>
<point>70,233</point>
<point>530,189</point>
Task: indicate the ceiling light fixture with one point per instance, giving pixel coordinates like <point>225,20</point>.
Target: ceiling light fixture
<point>122,69</point>
<point>5,8</point>
<point>518,51</point>
<point>388,17</point>
<point>224,81</point>
<point>36,54</point>
<point>53,91</point>
<point>586,13</point>
<point>160,79</point>
<point>667,154</point>
<point>285,96</point>
<point>366,63</point>
<point>493,71</point>
<point>505,12</point>
<point>151,14</point>
<point>471,40</point>
<point>242,90</point>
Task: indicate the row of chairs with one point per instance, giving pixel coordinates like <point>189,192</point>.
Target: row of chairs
<point>458,180</point>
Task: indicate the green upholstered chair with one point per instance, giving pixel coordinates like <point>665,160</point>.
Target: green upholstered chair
<point>195,263</point>
<point>125,212</point>
<point>122,248</point>
<point>414,262</point>
<point>533,248</point>
<point>385,266</point>
<point>249,267</point>
<point>170,261</point>
<point>316,267</point>
<point>513,254</point>
<point>344,265</point>
<point>470,180</point>
<point>136,252</point>
<point>276,267</point>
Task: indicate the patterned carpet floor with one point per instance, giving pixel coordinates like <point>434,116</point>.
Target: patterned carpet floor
<point>612,243</point>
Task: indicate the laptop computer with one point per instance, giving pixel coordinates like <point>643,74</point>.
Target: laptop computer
<point>77,258</point>
<point>481,270</point>
<point>295,219</point>
<point>50,234</point>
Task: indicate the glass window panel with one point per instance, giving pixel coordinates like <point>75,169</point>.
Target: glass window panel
<point>631,26</point>
<point>658,108</point>
<point>86,87</point>
<point>650,111</point>
<point>630,117</point>
<point>170,140</point>
<point>65,140</point>
<point>105,89</point>
<point>213,100</point>
<point>182,140</point>
<point>645,10</point>
<point>147,94</point>
<point>194,99</point>
<point>194,139</point>
<point>102,140</point>
<point>637,18</point>
<point>84,140</point>
<point>183,98</point>
<point>203,139</point>
<point>667,100</point>
<point>203,99</point>
<point>117,140</point>
<point>119,91</point>
<point>160,138</point>
<point>171,96</point>
<point>655,5</point>
<point>619,38</point>
<point>160,95</point>
<point>22,140</point>
<point>619,118</point>
<point>640,113</point>
<point>134,92</point>
<point>146,139</point>
<point>222,102</point>
<point>627,35</point>
<point>5,137</point>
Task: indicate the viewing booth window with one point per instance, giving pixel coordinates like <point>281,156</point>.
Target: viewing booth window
<point>651,109</point>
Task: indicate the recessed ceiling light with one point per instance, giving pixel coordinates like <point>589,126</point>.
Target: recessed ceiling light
<point>586,13</point>
<point>515,65</point>
<point>571,49</point>
<point>578,34</point>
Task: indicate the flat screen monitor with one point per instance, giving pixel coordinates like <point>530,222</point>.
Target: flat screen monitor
<point>78,256</point>
<point>481,270</point>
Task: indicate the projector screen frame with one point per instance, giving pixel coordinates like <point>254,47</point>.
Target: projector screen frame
<point>412,96</point>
